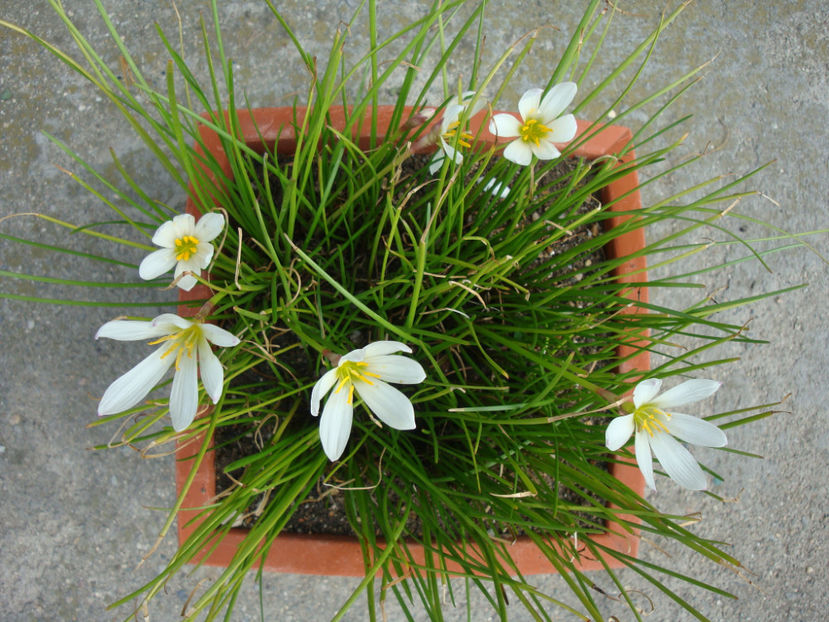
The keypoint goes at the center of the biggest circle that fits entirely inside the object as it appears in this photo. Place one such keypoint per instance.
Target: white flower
(183, 343)
(365, 371)
(184, 244)
(540, 125)
(450, 125)
(655, 430)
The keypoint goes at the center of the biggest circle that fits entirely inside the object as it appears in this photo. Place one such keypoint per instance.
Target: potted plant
(341, 555)
(417, 313)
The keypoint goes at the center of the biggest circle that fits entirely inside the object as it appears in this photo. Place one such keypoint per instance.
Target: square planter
(342, 555)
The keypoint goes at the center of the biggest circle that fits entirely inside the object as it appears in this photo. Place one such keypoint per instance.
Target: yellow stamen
(348, 372)
(342, 384)
(186, 247)
(163, 339)
(649, 419)
(532, 131)
(465, 138)
(183, 342)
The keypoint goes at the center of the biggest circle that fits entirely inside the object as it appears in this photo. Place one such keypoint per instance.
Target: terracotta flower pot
(342, 555)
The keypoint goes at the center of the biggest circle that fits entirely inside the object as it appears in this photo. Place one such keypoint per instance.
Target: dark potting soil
(321, 512)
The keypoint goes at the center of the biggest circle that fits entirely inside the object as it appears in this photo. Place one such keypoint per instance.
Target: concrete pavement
(74, 522)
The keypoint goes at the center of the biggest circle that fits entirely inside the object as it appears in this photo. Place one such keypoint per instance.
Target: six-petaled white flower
(184, 244)
(366, 371)
(540, 125)
(655, 429)
(180, 342)
(452, 135)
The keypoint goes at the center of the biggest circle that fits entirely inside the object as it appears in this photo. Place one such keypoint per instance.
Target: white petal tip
(618, 431)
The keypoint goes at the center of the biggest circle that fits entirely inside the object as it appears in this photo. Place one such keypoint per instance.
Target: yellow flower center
(348, 372)
(532, 131)
(649, 418)
(184, 341)
(186, 247)
(464, 138)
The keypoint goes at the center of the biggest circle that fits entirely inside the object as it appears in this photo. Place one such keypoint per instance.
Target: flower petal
(209, 227)
(529, 103)
(157, 263)
(618, 432)
(450, 152)
(335, 424)
(379, 348)
(219, 336)
(194, 263)
(696, 431)
(201, 258)
(165, 236)
(356, 356)
(437, 162)
(645, 391)
(643, 457)
(184, 395)
(450, 115)
(171, 322)
(686, 393)
(544, 150)
(518, 151)
(185, 224)
(211, 371)
(131, 330)
(188, 281)
(563, 129)
(496, 188)
(322, 386)
(396, 368)
(505, 126)
(678, 462)
(387, 403)
(134, 385)
(556, 100)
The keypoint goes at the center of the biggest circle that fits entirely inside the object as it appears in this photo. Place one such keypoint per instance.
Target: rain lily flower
(540, 125)
(180, 342)
(655, 429)
(366, 371)
(451, 134)
(184, 244)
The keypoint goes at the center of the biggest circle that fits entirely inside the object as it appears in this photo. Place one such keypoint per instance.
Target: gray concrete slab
(75, 522)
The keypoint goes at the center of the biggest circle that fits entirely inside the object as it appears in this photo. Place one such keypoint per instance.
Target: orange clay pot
(342, 555)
